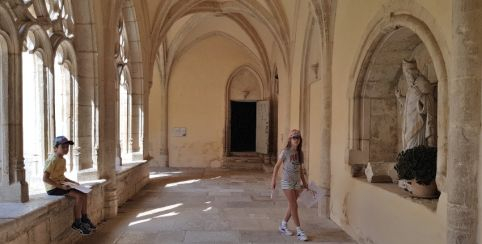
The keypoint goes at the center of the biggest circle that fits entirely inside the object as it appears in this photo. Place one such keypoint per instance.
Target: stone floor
(209, 206)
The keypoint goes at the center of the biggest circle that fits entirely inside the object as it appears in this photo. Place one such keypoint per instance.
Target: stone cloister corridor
(175, 113)
(209, 206)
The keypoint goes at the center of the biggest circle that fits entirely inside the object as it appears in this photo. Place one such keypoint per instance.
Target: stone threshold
(391, 188)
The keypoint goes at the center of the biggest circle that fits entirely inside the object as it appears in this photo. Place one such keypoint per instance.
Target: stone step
(246, 166)
(243, 160)
(244, 154)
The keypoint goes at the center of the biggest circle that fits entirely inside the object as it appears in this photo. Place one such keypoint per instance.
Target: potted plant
(418, 166)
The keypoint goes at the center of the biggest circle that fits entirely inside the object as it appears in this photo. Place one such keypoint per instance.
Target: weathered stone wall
(203, 115)
(368, 212)
(46, 219)
(130, 181)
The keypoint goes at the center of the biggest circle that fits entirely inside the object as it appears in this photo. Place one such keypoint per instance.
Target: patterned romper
(291, 169)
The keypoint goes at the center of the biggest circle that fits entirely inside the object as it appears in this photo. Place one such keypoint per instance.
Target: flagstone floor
(210, 206)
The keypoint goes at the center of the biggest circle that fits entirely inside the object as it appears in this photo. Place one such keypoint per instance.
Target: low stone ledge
(391, 188)
(46, 219)
(132, 165)
(131, 178)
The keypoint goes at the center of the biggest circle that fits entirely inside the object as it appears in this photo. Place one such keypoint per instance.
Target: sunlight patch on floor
(158, 210)
(182, 183)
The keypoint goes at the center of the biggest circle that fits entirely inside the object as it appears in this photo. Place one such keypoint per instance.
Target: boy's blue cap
(59, 140)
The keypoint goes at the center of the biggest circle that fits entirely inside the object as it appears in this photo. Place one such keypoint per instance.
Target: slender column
(464, 123)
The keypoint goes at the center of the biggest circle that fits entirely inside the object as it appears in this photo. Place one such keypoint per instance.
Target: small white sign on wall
(180, 131)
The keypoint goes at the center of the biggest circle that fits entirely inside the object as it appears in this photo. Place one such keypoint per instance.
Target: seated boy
(54, 184)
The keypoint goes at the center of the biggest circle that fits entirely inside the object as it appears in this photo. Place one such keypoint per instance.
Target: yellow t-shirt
(55, 166)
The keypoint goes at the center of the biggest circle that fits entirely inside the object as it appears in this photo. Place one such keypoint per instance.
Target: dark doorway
(243, 126)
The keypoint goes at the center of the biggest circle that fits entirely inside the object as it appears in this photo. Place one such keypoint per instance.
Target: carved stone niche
(376, 133)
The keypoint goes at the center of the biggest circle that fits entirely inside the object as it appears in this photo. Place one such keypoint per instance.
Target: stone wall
(47, 219)
(366, 35)
(131, 180)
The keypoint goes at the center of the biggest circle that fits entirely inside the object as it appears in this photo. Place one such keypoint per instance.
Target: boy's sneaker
(301, 235)
(83, 229)
(284, 230)
(88, 223)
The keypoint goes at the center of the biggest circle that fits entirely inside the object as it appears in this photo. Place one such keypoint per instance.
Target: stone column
(164, 155)
(325, 20)
(13, 186)
(464, 123)
(108, 106)
(87, 83)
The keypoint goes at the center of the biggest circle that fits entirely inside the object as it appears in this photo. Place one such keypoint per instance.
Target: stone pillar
(85, 115)
(136, 114)
(85, 111)
(13, 186)
(164, 156)
(137, 124)
(325, 20)
(464, 123)
(109, 148)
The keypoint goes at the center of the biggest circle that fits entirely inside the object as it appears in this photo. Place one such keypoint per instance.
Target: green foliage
(419, 163)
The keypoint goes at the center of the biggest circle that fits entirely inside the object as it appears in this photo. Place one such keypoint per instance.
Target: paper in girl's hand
(311, 197)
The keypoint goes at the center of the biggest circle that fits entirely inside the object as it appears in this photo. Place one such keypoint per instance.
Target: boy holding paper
(57, 184)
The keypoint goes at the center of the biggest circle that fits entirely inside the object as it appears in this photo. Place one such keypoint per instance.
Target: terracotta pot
(423, 191)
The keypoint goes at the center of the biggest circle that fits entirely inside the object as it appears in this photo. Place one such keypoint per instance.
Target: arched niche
(377, 117)
(245, 85)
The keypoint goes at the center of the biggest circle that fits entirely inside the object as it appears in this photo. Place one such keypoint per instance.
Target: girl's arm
(302, 175)
(302, 171)
(275, 173)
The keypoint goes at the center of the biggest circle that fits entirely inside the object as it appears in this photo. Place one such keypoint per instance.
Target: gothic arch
(185, 48)
(42, 45)
(234, 9)
(236, 73)
(67, 59)
(377, 36)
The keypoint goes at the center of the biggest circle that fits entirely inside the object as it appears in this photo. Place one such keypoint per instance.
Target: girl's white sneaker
(283, 229)
(301, 235)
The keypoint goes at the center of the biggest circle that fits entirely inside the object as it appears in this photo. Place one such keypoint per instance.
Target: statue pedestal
(381, 172)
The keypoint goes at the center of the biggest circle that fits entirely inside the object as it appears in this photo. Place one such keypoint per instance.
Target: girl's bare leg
(292, 195)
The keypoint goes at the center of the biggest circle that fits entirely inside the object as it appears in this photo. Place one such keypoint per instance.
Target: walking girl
(291, 159)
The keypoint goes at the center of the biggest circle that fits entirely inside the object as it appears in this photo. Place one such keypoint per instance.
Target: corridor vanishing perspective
(178, 110)
(210, 206)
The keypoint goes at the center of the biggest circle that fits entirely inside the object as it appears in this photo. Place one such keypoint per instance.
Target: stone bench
(46, 219)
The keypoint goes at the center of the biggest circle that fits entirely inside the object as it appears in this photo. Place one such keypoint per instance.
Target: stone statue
(419, 109)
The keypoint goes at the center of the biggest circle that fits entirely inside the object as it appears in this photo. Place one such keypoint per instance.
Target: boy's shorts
(57, 192)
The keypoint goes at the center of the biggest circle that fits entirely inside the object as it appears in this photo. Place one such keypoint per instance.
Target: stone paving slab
(204, 206)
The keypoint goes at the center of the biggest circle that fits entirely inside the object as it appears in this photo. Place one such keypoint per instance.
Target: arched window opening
(64, 106)
(124, 112)
(124, 95)
(33, 113)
